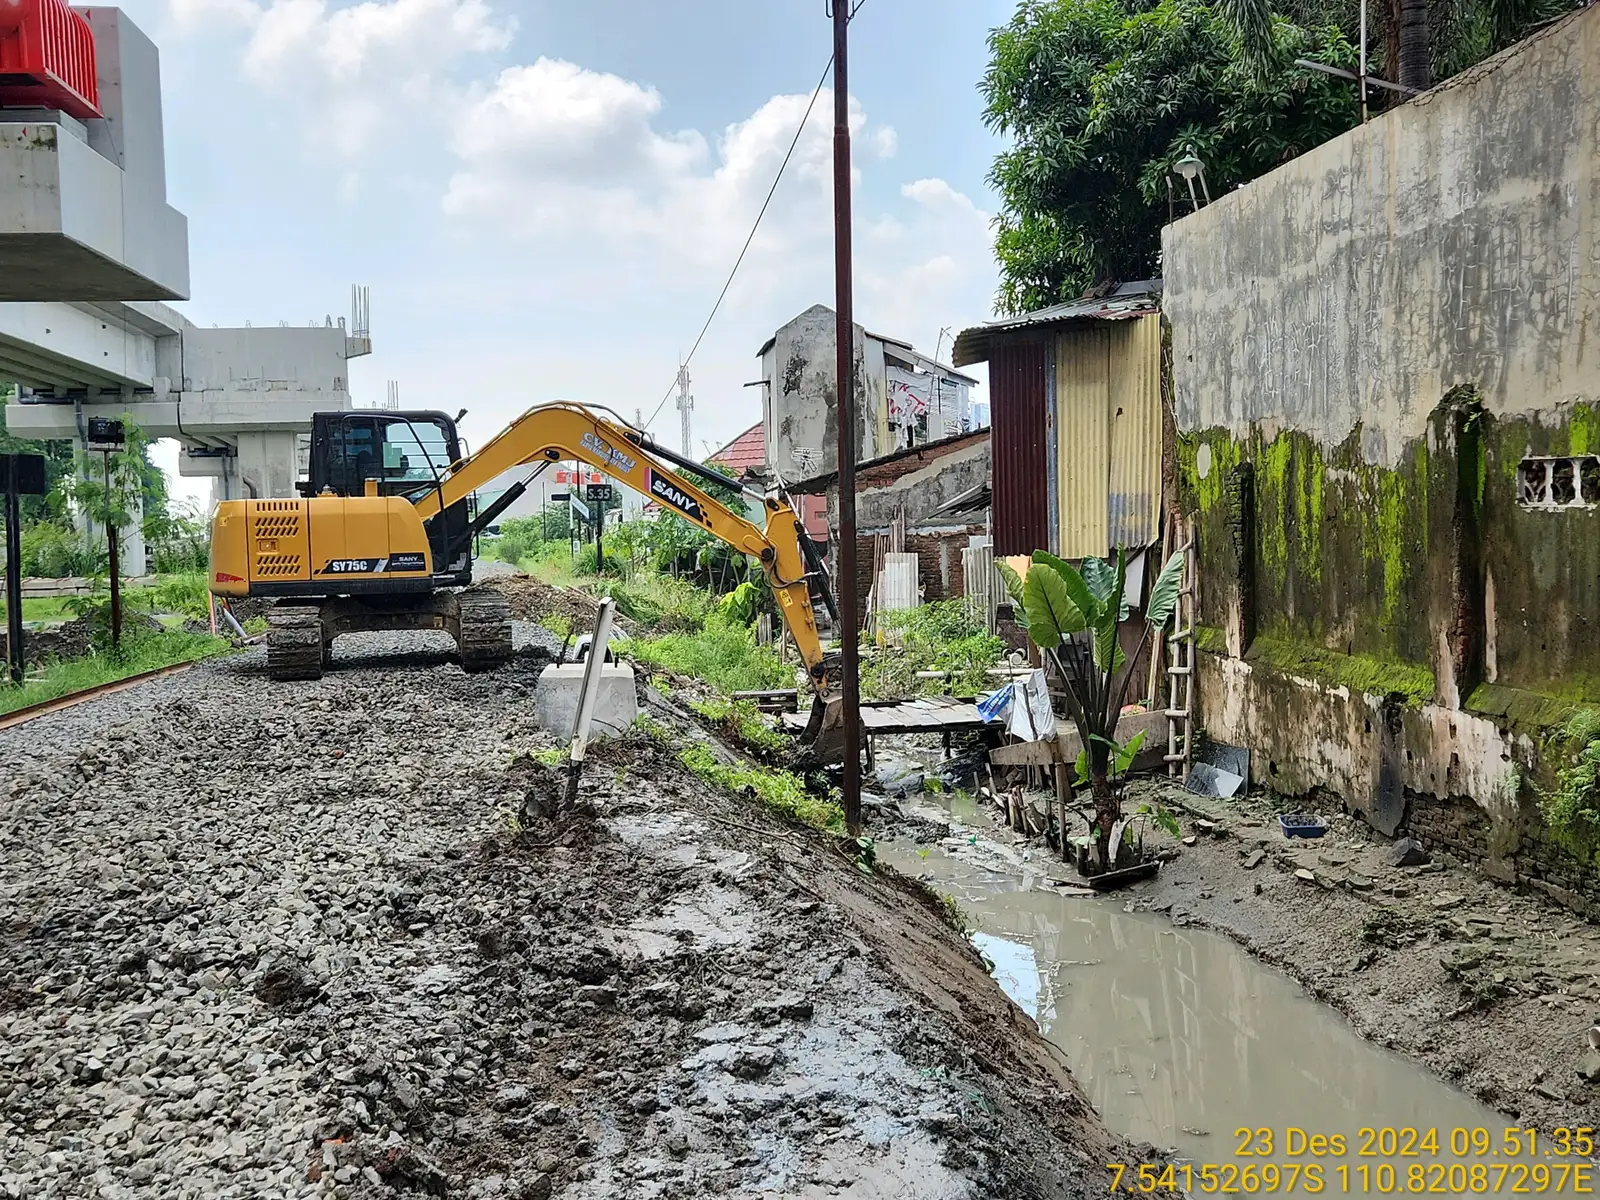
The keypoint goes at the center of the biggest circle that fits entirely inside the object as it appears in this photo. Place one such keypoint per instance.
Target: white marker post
(591, 691)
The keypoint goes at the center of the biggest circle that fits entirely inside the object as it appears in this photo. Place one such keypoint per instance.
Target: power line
(722, 295)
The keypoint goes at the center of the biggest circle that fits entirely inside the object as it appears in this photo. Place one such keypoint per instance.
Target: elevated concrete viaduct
(89, 251)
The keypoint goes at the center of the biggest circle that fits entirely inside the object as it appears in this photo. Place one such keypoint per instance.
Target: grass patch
(744, 722)
(723, 655)
(944, 636)
(782, 791)
(183, 594)
(141, 653)
(41, 608)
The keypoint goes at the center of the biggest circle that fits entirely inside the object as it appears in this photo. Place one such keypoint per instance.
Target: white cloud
(353, 71)
(565, 235)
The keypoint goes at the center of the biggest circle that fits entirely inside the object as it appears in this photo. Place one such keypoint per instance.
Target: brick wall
(1460, 827)
(932, 569)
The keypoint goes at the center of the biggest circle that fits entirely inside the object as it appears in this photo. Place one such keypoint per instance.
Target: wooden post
(1063, 794)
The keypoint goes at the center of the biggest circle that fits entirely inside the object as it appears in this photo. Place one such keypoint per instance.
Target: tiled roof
(746, 452)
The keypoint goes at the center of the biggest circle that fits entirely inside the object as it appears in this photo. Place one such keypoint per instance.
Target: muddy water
(1180, 1038)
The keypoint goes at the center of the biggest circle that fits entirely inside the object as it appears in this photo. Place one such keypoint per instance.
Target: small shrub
(744, 721)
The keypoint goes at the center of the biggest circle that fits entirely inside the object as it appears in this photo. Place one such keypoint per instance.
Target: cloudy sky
(545, 197)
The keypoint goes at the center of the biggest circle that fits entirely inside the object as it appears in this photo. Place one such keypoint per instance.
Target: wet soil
(1492, 989)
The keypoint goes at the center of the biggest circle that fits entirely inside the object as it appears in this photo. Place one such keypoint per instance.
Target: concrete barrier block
(561, 691)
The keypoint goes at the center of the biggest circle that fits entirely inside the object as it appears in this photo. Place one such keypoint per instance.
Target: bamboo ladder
(1180, 668)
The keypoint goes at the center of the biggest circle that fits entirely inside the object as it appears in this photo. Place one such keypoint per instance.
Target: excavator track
(484, 637)
(295, 642)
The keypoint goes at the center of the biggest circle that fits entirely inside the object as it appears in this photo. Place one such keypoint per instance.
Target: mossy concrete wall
(1365, 345)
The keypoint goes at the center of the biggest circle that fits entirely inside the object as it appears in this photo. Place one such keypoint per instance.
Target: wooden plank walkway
(927, 714)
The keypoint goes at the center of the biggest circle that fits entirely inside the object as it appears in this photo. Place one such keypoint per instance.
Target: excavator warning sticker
(665, 490)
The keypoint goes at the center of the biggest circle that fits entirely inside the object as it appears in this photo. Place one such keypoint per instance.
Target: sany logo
(665, 490)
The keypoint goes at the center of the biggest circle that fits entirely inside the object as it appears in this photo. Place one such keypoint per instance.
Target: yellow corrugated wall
(1083, 438)
(1108, 435)
(1135, 497)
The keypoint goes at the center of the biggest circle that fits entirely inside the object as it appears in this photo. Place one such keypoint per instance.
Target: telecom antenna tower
(685, 407)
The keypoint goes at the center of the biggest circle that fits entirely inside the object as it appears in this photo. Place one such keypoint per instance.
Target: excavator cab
(405, 454)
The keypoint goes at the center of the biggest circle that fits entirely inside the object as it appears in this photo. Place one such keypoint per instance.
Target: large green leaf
(1081, 595)
(1108, 655)
(1013, 582)
(1164, 592)
(1051, 613)
(1101, 577)
(1127, 753)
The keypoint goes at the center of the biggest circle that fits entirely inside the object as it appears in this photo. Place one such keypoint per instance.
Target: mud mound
(534, 600)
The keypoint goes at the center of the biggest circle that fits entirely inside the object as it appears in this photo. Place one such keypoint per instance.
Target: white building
(903, 397)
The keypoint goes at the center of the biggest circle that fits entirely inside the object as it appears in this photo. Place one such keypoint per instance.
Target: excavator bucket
(822, 742)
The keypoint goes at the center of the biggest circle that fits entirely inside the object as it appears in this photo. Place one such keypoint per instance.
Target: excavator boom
(552, 433)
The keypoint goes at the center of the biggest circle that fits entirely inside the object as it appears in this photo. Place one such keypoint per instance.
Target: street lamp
(1190, 166)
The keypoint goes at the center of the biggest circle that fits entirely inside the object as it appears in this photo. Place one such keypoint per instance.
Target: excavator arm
(554, 432)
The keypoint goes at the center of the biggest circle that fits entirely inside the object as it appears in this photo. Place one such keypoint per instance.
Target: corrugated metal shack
(1075, 409)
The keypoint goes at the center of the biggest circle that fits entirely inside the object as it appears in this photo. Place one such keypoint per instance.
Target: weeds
(188, 594)
(555, 756)
(139, 652)
(954, 915)
(944, 637)
(722, 655)
(782, 791)
(744, 722)
(559, 624)
(652, 729)
(1572, 809)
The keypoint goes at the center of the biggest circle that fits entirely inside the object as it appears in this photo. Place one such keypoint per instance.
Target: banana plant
(1073, 615)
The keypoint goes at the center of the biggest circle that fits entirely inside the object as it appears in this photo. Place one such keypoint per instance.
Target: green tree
(1101, 97)
(57, 465)
(109, 489)
(1412, 42)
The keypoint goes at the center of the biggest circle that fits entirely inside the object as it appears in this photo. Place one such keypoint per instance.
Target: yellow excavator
(381, 536)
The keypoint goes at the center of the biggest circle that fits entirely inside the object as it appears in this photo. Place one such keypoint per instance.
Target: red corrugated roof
(746, 452)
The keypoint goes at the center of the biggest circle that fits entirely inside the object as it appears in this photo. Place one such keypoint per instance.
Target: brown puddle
(1181, 1038)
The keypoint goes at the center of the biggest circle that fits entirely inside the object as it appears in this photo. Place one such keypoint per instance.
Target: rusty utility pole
(846, 413)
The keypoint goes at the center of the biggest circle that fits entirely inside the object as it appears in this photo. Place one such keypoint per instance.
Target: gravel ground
(262, 940)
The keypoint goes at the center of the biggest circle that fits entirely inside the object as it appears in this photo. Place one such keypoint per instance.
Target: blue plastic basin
(1301, 826)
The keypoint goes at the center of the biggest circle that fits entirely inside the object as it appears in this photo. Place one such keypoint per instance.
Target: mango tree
(1073, 616)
